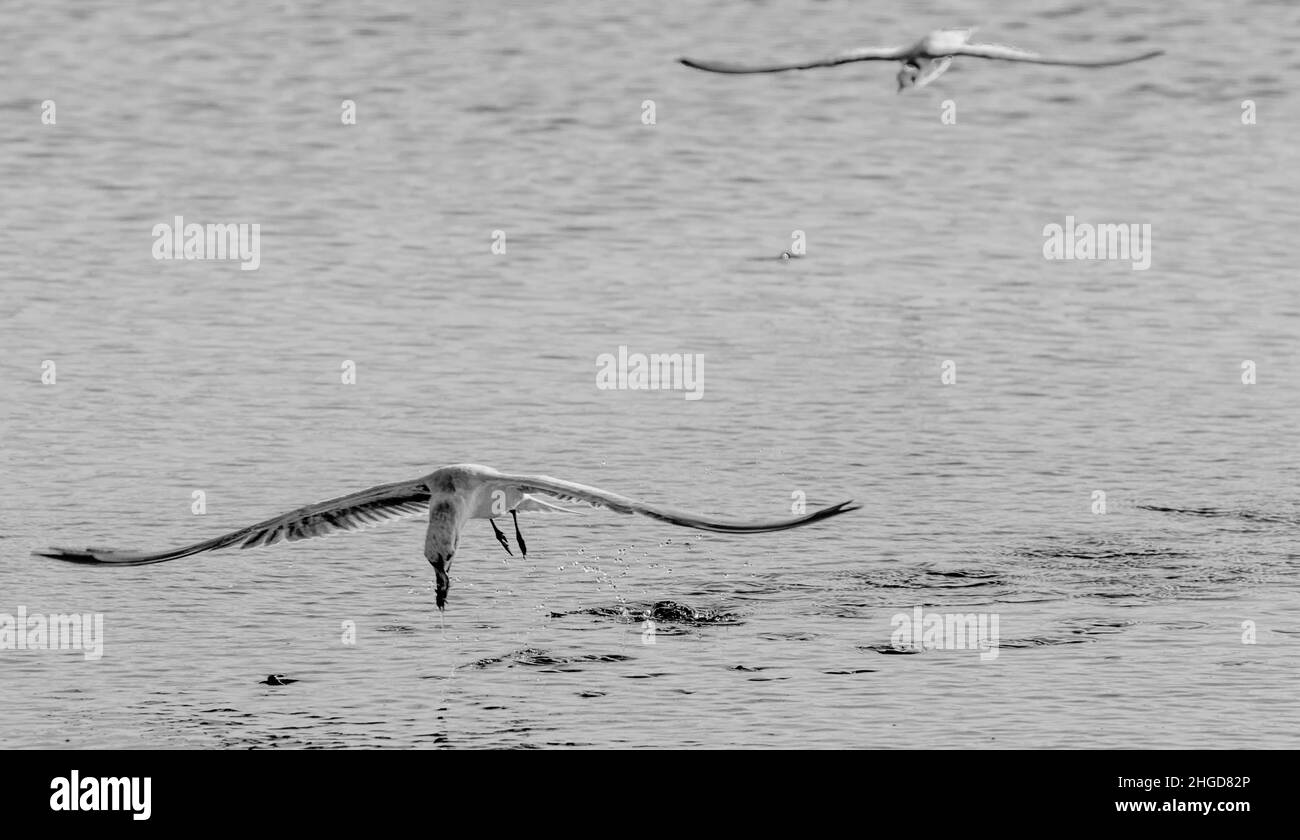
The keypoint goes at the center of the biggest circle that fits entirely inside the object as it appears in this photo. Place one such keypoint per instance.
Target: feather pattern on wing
(569, 491)
(375, 506)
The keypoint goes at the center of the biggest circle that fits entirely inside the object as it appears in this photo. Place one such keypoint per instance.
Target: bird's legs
(519, 538)
(501, 538)
(931, 69)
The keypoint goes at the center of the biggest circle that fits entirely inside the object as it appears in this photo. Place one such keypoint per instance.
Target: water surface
(822, 373)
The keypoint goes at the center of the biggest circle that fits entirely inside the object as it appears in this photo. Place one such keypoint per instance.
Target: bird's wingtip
(68, 555)
(836, 509)
(56, 553)
(97, 556)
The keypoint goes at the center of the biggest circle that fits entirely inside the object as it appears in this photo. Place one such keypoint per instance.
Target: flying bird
(450, 496)
(923, 62)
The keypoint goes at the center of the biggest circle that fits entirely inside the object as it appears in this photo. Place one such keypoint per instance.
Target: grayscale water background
(822, 374)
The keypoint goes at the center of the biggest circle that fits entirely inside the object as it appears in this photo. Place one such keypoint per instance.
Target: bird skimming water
(451, 496)
(923, 62)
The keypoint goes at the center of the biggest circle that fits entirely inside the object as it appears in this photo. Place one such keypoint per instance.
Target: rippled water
(823, 373)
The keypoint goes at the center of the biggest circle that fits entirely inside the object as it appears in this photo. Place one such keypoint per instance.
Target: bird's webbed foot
(519, 538)
(501, 538)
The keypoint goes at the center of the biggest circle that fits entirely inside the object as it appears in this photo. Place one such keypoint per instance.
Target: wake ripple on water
(537, 658)
(1071, 631)
(661, 612)
(1224, 513)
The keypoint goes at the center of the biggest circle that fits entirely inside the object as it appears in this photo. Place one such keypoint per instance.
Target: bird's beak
(444, 583)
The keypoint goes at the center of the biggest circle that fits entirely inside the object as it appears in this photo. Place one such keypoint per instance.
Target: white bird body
(923, 62)
(451, 496)
(941, 42)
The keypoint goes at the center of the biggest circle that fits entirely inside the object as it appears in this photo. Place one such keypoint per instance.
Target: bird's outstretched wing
(864, 54)
(346, 513)
(1000, 52)
(572, 492)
